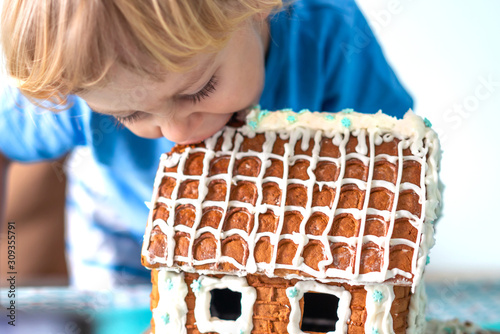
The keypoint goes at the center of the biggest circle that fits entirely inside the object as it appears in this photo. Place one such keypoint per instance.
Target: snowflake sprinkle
(428, 260)
(165, 318)
(377, 296)
(170, 284)
(292, 292)
(375, 331)
(427, 123)
(346, 122)
(330, 117)
(291, 119)
(196, 286)
(262, 114)
(252, 124)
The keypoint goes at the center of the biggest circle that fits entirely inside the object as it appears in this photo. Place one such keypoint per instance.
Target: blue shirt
(322, 56)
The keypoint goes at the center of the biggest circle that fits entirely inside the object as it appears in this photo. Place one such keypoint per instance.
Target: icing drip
(416, 314)
(170, 313)
(379, 300)
(367, 188)
(411, 126)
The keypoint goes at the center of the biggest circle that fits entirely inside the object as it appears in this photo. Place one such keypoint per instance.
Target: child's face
(188, 107)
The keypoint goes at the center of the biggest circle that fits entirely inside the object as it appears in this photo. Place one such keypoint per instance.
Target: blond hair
(53, 48)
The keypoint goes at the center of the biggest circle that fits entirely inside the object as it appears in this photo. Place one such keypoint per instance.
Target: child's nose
(178, 130)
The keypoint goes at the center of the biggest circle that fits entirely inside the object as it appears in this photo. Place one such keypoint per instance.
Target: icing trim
(301, 287)
(206, 323)
(416, 314)
(410, 125)
(170, 313)
(379, 298)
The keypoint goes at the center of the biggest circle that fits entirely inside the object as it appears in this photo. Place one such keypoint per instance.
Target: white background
(444, 52)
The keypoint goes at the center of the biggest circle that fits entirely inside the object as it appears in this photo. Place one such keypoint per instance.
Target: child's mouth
(238, 118)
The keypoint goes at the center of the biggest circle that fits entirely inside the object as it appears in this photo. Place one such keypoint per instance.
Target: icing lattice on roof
(352, 203)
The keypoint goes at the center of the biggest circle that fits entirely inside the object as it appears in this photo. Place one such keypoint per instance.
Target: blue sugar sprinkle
(304, 111)
(428, 260)
(170, 284)
(291, 119)
(286, 109)
(292, 292)
(346, 122)
(377, 296)
(196, 286)
(262, 114)
(330, 117)
(166, 318)
(427, 123)
(375, 331)
(252, 124)
(348, 111)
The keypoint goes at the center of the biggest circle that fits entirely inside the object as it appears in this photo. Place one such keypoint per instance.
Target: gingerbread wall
(271, 309)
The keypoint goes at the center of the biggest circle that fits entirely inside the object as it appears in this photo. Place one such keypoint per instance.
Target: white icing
(171, 305)
(206, 323)
(410, 126)
(416, 314)
(365, 205)
(378, 312)
(343, 310)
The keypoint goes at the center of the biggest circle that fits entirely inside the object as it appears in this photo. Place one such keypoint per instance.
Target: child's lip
(193, 141)
(237, 118)
(236, 115)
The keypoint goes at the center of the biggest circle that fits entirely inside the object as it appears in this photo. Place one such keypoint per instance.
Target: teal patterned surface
(476, 301)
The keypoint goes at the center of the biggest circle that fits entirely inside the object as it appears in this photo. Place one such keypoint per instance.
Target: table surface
(126, 310)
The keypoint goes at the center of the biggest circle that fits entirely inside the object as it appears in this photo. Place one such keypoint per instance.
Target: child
(168, 71)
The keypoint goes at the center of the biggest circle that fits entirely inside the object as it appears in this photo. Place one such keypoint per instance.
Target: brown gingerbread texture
(339, 204)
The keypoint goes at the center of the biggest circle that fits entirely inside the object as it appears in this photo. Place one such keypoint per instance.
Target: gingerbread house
(302, 222)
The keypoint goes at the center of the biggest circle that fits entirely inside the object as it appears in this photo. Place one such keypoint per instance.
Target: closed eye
(204, 92)
(130, 118)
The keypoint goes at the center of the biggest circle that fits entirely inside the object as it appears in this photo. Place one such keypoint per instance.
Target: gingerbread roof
(343, 196)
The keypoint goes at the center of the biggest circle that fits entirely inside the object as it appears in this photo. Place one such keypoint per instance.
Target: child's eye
(204, 92)
(130, 118)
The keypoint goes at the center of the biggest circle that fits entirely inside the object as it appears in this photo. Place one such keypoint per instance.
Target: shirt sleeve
(30, 133)
(357, 74)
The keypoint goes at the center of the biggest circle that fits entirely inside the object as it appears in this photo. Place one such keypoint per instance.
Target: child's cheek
(236, 96)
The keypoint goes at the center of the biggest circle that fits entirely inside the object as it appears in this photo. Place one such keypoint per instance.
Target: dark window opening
(320, 312)
(225, 304)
